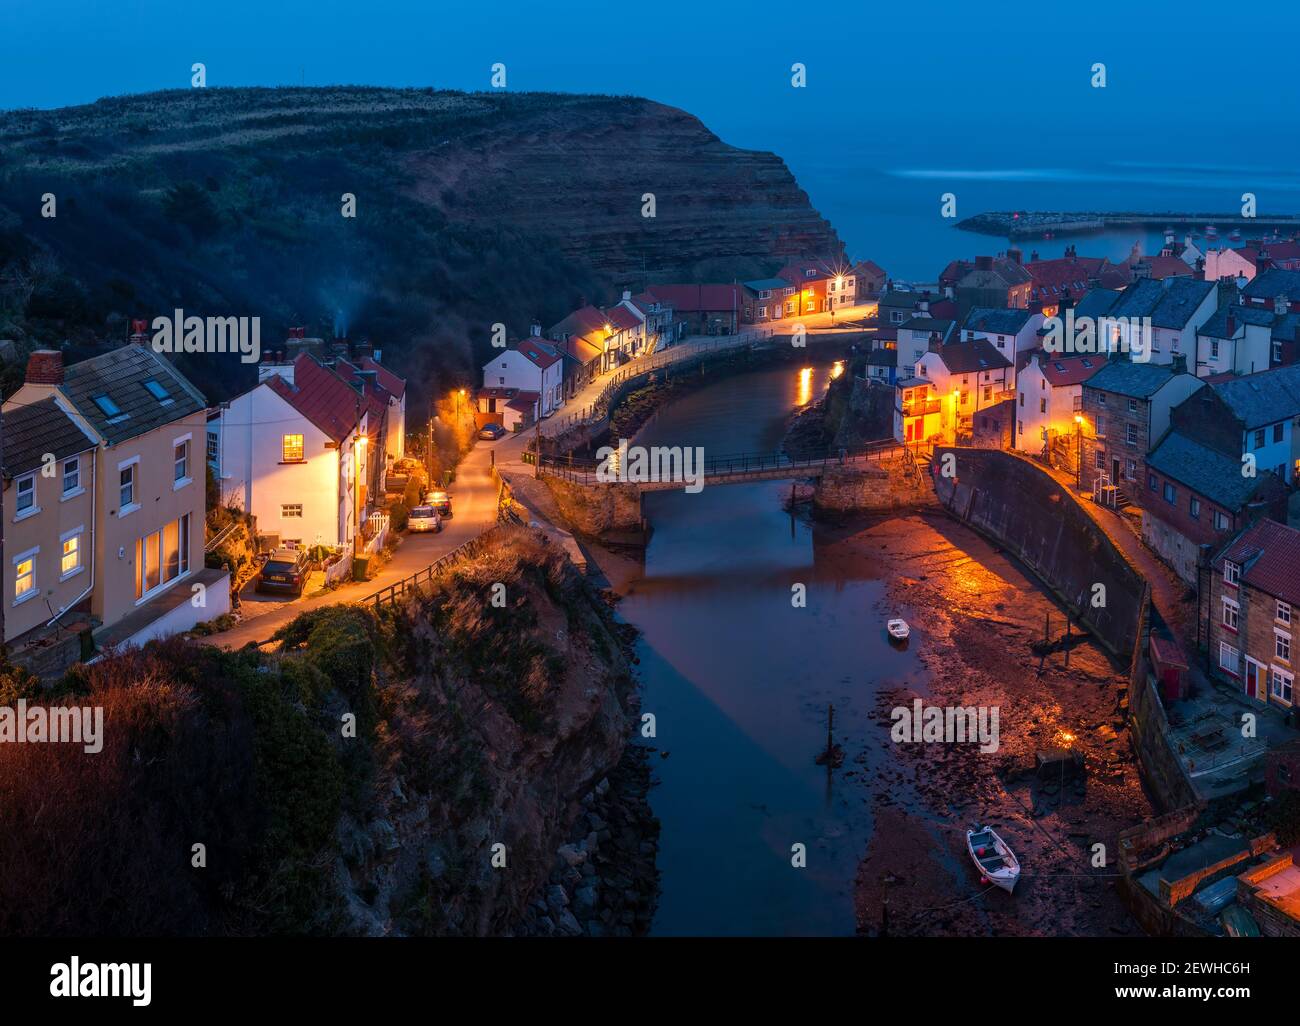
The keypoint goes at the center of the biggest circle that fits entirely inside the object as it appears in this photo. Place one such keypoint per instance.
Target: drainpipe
(94, 506)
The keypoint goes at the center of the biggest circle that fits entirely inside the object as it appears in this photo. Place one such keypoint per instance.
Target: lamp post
(1078, 455)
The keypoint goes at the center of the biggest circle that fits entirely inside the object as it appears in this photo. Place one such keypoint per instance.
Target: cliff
(470, 209)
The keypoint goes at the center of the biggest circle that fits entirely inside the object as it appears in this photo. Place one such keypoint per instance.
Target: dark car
(285, 572)
(491, 432)
(441, 503)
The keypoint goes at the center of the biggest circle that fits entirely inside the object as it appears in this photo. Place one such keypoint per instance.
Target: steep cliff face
(470, 209)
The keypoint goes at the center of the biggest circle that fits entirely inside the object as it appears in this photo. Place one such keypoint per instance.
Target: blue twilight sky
(992, 100)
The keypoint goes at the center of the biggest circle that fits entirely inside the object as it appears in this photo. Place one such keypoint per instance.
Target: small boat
(898, 629)
(992, 857)
(1236, 235)
(1211, 232)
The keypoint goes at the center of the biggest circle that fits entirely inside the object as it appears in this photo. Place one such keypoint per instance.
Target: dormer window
(1231, 573)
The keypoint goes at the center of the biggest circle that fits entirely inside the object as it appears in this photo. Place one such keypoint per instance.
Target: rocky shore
(604, 882)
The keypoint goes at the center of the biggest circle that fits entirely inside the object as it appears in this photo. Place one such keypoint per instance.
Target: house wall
(58, 518)
(256, 478)
(1255, 637)
(159, 501)
(512, 369)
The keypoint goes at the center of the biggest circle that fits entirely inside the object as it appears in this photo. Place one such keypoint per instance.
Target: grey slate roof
(1181, 299)
(1263, 398)
(940, 324)
(121, 375)
(972, 357)
(1205, 471)
(1136, 380)
(1286, 326)
(997, 321)
(1095, 303)
(1274, 282)
(766, 283)
(34, 430)
(1217, 325)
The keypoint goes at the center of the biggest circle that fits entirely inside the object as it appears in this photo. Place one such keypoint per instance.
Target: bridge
(737, 468)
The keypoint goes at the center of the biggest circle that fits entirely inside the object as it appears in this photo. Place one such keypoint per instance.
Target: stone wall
(597, 508)
(1273, 920)
(1162, 770)
(874, 487)
(1038, 520)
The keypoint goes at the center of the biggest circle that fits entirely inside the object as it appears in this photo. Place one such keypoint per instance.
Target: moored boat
(898, 629)
(993, 858)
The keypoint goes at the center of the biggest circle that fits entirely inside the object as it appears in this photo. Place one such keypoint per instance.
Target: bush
(398, 515)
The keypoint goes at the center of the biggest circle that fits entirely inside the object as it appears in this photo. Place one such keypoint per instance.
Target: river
(739, 678)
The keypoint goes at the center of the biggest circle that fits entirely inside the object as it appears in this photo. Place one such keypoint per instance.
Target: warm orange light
(1078, 419)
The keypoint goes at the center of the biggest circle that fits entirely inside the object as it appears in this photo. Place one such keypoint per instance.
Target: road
(474, 504)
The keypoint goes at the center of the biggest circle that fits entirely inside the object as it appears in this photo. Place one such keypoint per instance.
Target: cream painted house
(149, 494)
(289, 452)
(49, 531)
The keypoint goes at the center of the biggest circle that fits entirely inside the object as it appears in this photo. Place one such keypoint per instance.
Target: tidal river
(739, 679)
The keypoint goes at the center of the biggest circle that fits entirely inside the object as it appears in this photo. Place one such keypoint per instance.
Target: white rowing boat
(994, 859)
(898, 629)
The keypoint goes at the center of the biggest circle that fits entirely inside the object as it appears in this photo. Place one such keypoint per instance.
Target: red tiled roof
(583, 349)
(524, 401)
(1071, 370)
(1269, 554)
(321, 396)
(867, 267)
(582, 321)
(621, 318)
(699, 298)
(538, 352)
(390, 381)
(1169, 267)
(1052, 277)
(375, 394)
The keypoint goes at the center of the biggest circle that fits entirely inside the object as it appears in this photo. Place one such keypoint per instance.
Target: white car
(423, 518)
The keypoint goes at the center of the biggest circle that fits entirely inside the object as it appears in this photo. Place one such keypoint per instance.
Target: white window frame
(34, 508)
(78, 533)
(79, 488)
(186, 440)
(1231, 573)
(1235, 668)
(1277, 693)
(288, 506)
(33, 590)
(1282, 638)
(1282, 614)
(134, 504)
(1233, 623)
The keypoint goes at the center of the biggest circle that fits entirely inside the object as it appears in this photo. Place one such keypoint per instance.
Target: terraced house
(147, 422)
(1253, 611)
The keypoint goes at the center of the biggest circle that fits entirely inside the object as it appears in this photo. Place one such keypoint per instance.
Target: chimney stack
(936, 343)
(1232, 326)
(1014, 255)
(983, 263)
(139, 332)
(45, 367)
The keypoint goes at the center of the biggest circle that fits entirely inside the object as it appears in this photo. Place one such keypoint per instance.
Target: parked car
(441, 503)
(285, 572)
(491, 432)
(423, 518)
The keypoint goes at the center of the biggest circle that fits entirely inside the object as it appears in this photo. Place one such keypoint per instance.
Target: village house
(812, 280)
(868, 281)
(1054, 280)
(882, 365)
(1012, 331)
(1235, 340)
(994, 282)
(1276, 288)
(1177, 307)
(514, 409)
(295, 451)
(766, 300)
(1125, 410)
(1049, 396)
(147, 490)
(49, 489)
(968, 376)
(917, 335)
(581, 337)
(1254, 589)
(1253, 415)
(1252, 259)
(531, 365)
(1197, 496)
(1163, 265)
(703, 309)
(920, 412)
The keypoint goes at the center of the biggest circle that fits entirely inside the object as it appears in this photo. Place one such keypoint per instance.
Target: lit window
(24, 578)
(292, 449)
(71, 561)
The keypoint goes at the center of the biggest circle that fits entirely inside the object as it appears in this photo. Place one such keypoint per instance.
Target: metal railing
(221, 536)
(423, 576)
(736, 465)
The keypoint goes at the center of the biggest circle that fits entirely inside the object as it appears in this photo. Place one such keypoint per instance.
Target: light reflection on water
(739, 681)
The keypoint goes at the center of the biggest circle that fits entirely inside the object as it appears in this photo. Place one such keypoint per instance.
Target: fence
(221, 536)
(410, 584)
(585, 471)
(342, 570)
(376, 531)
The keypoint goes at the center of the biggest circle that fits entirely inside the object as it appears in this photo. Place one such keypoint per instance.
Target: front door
(1114, 471)
(1254, 679)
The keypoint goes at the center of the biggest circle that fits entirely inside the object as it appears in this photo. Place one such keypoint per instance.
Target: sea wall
(1038, 520)
(891, 484)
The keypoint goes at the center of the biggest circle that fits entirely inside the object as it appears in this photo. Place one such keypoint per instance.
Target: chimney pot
(45, 367)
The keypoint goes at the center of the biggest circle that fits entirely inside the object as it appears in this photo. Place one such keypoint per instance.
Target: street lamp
(1078, 456)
